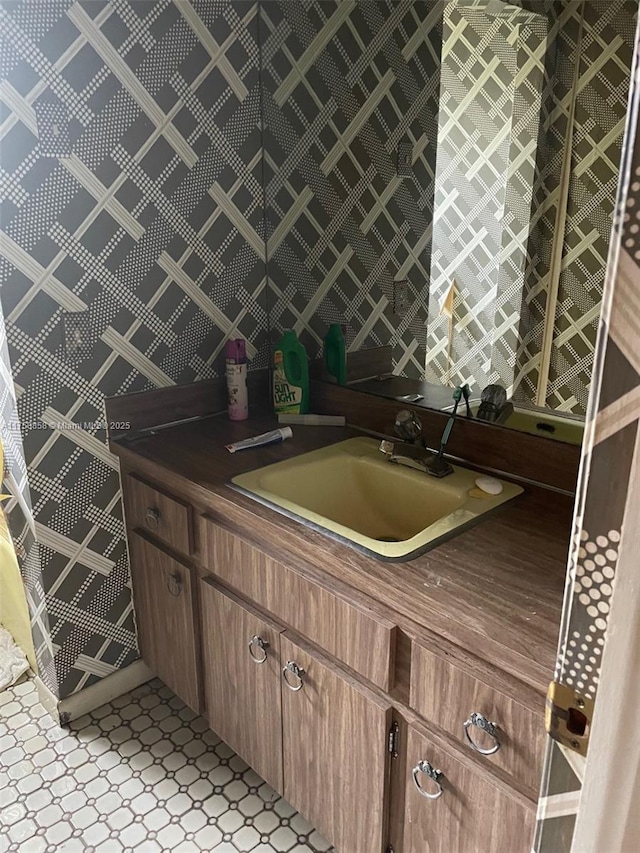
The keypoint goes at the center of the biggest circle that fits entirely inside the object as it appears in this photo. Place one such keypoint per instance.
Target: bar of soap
(489, 485)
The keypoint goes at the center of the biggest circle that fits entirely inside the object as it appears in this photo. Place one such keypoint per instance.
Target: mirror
(440, 179)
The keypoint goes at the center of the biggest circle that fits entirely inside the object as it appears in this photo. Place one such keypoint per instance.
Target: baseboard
(47, 698)
(103, 691)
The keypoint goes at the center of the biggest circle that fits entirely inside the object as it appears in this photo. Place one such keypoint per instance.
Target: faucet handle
(408, 425)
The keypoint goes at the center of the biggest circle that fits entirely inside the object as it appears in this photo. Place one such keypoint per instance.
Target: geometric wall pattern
(19, 512)
(133, 241)
(601, 108)
(345, 84)
(601, 514)
(598, 35)
(132, 248)
(491, 83)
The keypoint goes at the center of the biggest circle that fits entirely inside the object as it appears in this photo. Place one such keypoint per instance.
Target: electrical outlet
(77, 339)
(52, 121)
(401, 297)
(404, 164)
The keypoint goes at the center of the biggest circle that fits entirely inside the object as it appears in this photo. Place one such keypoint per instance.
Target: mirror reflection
(441, 180)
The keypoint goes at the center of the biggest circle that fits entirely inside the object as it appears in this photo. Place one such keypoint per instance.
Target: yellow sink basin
(351, 491)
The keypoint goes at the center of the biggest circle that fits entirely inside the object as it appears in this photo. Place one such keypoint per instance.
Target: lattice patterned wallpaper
(344, 84)
(131, 172)
(606, 48)
(491, 95)
(601, 109)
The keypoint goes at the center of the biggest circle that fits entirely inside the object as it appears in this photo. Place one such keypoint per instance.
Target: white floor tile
(142, 774)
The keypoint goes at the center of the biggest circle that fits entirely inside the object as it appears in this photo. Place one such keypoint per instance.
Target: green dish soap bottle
(335, 353)
(290, 376)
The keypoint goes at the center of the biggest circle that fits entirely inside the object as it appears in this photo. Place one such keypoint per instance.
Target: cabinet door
(241, 654)
(471, 815)
(335, 736)
(163, 597)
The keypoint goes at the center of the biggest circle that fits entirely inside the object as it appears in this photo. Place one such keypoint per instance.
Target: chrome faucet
(409, 427)
(494, 406)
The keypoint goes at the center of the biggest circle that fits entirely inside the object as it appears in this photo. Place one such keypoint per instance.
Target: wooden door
(471, 816)
(335, 736)
(241, 665)
(163, 597)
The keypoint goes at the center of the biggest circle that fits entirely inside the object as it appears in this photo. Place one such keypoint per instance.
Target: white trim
(103, 691)
(575, 761)
(608, 817)
(47, 699)
(87, 700)
(558, 805)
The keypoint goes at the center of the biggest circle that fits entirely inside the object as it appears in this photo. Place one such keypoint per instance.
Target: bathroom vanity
(399, 706)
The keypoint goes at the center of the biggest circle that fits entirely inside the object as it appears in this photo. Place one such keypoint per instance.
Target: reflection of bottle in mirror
(335, 353)
(235, 352)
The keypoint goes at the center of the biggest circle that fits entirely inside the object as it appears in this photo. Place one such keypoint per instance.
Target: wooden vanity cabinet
(241, 673)
(314, 734)
(303, 679)
(463, 811)
(168, 636)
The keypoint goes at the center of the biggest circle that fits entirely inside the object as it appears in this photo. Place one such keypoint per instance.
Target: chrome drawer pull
(261, 644)
(481, 722)
(152, 517)
(433, 774)
(295, 670)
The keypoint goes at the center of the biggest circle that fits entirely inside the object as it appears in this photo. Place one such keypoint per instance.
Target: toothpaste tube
(273, 437)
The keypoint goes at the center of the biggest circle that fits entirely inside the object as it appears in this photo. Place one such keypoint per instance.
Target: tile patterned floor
(142, 774)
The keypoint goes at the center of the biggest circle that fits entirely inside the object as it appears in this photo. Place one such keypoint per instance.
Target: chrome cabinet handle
(433, 774)
(481, 722)
(261, 644)
(152, 517)
(174, 583)
(296, 672)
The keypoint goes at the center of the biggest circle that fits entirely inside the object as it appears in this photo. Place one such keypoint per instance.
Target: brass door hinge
(393, 740)
(568, 716)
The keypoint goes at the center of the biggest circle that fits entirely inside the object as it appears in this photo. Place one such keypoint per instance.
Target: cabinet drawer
(471, 815)
(163, 516)
(448, 696)
(358, 638)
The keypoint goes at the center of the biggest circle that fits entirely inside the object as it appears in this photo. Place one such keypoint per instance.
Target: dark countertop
(494, 590)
